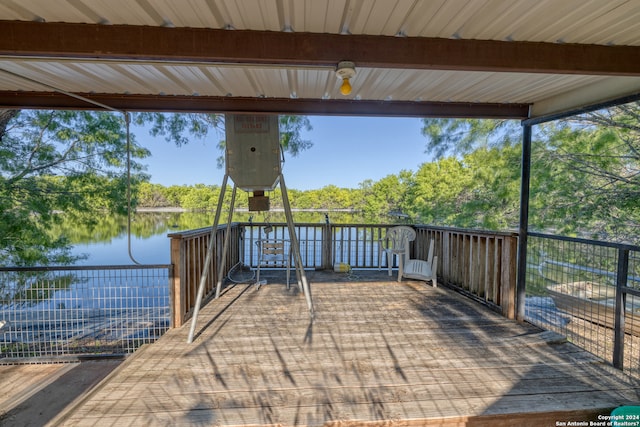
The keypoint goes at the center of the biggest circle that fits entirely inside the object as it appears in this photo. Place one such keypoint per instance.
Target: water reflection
(105, 242)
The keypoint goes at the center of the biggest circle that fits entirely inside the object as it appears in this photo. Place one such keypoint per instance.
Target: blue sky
(345, 152)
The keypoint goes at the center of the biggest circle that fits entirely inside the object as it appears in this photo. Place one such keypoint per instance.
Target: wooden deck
(379, 353)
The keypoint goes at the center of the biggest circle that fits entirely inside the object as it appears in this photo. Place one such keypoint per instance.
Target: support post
(327, 256)
(621, 299)
(207, 262)
(225, 246)
(524, 222)
(295, 247)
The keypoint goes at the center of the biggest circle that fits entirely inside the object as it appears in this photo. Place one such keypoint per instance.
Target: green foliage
(200, 197)
(328, 197)
(440, 189)
(178, 128)
(388, 197)
(153, 195)
(494, 199)
(462, 136)
(291, 128)
(58, 161)
(586, 175)
(585, 178)
(479, 186)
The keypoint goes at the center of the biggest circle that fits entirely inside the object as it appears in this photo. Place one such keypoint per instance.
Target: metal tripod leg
(294, 246)
(225, 246)
(207, 262)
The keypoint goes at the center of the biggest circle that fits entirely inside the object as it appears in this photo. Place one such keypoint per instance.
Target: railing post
(445, 255)
(177, 292)
(509, 275)
(621, 299)
(326, 256)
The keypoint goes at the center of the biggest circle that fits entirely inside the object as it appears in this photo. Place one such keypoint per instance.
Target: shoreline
(162, 209)
(178, 209)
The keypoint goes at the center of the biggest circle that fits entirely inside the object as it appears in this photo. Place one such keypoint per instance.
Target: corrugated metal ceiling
(610, 22)
(568, 21)
(227, 80)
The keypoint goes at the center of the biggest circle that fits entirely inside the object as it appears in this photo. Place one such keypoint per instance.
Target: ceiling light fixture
(345, 71)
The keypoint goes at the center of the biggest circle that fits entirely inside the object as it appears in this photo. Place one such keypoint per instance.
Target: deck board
(378, 351)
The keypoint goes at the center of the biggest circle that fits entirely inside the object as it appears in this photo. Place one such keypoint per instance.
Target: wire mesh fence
(53, 312)
(575, 286)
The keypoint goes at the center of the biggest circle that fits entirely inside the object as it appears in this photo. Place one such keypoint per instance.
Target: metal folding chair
(274, 253)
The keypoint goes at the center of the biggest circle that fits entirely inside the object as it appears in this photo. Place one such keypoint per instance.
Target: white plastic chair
(423, 270)
(396, 242)
(274, 253)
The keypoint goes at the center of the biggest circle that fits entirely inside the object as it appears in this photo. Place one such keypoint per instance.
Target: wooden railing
(312, 238)
(188, 254)
(322, 245)
(481, 264)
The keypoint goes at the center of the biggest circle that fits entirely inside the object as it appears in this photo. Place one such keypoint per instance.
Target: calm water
(145, 250)
(149, 241)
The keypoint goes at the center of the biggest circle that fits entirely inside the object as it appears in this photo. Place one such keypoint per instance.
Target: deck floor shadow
(379, 352)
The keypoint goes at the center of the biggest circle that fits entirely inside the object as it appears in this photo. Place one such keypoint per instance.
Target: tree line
(584, 180)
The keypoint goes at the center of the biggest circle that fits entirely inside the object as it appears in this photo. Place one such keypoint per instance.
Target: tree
(479, 184)
(387, 197)
(492, 199)
(151, 195)
(461, 136)
(200, 197)
(74, 162)
(586, 175)
(58, 161)
(439, 191)
(585, 171)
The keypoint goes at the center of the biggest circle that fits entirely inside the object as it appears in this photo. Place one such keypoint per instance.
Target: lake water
(145, 250)
(103, 310)
(149, 241)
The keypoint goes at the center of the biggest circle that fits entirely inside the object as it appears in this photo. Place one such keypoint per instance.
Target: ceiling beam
(38, 39)
(210, 104)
